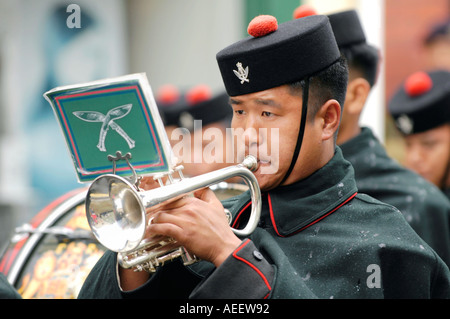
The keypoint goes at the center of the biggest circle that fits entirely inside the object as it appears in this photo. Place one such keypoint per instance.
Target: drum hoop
(35, 238)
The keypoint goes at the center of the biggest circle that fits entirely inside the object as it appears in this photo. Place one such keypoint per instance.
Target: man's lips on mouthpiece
(264, 161)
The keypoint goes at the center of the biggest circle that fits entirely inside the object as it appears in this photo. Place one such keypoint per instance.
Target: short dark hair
(330, 83)
(364, 58)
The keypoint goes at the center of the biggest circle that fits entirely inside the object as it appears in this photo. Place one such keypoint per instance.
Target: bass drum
(52, 255)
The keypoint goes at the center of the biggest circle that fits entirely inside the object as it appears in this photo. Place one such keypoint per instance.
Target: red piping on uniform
(272, 217)
(235, 224)
(251, 265)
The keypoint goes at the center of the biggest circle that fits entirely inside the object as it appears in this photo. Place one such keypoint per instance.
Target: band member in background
(317, 237)
(421, 110)
(196, 123)
(378, 175)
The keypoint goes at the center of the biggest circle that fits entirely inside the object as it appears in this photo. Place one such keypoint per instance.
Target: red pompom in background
(198, 94)
(262, 25)
(418, 83)
(168, 94)
(304, 11)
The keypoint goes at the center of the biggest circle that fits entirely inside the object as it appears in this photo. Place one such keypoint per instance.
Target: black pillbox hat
(295, 50)
(422, 102)
(347, 28)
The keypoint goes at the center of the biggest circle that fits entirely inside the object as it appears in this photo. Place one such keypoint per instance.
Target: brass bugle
(117, 214)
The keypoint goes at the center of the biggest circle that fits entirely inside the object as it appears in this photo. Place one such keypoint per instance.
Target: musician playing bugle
(317, 237)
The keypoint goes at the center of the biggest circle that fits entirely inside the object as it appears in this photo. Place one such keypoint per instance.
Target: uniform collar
(365, 153)
(295, 207)
(365, 139)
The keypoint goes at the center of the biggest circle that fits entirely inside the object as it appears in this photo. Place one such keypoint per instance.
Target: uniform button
(258, 255)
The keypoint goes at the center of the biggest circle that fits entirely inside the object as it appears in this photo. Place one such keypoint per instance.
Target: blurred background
(173, 41)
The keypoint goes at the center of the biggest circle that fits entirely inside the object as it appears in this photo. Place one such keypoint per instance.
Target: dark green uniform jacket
(6, 290)
(424, 206)
(447, 192)
(317, 238)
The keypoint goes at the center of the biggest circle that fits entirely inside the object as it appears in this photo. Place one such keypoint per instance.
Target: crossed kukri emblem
(107, 122)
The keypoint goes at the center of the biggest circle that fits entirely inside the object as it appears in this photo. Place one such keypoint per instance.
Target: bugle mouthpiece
(250, 162)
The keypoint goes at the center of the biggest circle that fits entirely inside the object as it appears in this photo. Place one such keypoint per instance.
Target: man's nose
(414, 156)
(251, 134)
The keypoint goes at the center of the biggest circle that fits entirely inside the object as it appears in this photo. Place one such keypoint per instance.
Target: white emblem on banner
(107, 122)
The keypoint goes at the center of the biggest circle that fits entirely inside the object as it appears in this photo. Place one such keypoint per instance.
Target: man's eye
(265, 113)
(240, 112)
(429, 144)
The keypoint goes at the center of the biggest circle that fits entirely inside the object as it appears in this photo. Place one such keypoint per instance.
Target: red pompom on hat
(198, 94)
(168, 94)
(418, 83)
(262, 25)
(304, 11)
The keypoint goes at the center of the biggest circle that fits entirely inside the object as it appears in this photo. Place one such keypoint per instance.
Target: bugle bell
(116, 212)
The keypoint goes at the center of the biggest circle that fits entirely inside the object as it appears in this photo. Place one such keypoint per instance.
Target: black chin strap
(301, 131)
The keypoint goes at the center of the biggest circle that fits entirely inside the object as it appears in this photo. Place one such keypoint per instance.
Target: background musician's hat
(422, 102)
(351, 40)
(352, 43)
(347, 28)
(198, 103)
(275, 54)
(346, 25)
(168, 99)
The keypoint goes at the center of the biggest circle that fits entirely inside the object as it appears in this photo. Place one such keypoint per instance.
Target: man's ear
(330, 116)
(357, 93)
